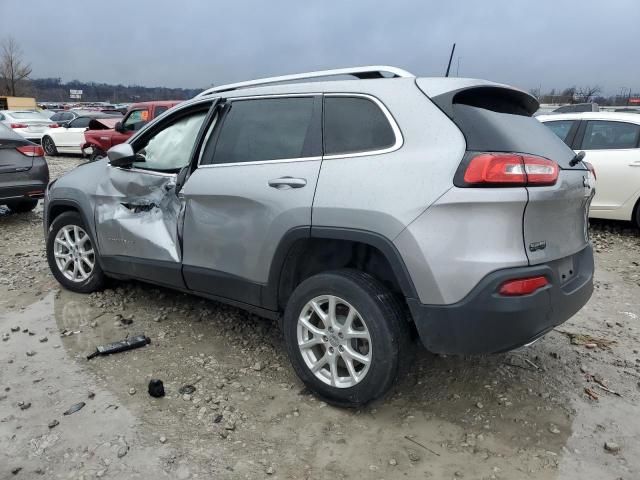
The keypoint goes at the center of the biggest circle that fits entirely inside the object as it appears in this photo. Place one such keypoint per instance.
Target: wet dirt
(524, 414)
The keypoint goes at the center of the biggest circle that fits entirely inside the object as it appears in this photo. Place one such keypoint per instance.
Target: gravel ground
(567, 407)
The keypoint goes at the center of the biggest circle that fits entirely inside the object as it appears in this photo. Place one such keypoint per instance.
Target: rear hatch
(496, 118)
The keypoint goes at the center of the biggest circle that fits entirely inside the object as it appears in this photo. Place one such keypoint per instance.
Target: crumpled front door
(137, 215)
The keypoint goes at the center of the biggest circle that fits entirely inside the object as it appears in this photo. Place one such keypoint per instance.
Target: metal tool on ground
(121, 346)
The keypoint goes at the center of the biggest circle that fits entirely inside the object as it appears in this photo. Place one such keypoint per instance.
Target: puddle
(84, 443)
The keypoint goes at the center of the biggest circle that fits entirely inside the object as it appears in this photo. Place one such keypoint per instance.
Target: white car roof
(611, 116)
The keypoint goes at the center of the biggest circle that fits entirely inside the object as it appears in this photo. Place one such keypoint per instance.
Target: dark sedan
(24, 173)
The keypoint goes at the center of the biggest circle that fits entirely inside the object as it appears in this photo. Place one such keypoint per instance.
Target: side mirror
(123, 156)
(118, 127)
(63, 124)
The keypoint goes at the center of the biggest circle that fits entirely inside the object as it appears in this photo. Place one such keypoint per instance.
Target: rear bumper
(486, 322)
(27, 185)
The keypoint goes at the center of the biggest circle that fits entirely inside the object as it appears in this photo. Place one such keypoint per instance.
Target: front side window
(265, 129)
(605, 135)
(136, 120)
(561, 128)
(353, 125)
(170, 149)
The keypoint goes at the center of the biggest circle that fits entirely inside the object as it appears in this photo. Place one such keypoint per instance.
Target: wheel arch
(57, 207)
(305, 251)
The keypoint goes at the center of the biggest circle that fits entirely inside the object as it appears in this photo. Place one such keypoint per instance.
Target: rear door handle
(287, 182)
(635, 163)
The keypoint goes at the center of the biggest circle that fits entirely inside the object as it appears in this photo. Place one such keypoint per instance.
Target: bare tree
(13, 70)
(586, 94)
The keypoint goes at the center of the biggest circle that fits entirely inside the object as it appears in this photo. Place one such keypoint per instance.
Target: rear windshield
(28, 116)
(489, 131)
(498, 119)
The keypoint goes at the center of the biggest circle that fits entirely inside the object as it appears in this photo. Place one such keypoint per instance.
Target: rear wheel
(346, 336)
(636, 214)
(23, 206)
(72, 256)
(49, 146)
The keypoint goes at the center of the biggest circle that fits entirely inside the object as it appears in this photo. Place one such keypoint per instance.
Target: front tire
(346, 336)
(49, 146)
(72, 255)
(97, 154)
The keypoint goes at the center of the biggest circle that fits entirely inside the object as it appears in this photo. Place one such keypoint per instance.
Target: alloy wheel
(74, 253)
(48, 145)
(334, 341)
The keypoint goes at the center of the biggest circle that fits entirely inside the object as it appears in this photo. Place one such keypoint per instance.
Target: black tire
(97, 154)
(96, 279)
(636, 214)
(49, 146)
(385, 319)
(23, 206)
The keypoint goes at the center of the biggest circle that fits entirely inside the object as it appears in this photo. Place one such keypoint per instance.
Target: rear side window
(604, 135)
(355, 124)
(561, 128)
(266, 129)
(160, 110)
(81, 122)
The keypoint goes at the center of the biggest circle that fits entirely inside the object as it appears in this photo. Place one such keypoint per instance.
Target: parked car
(68, 137)
(578, 107)
(26, 123)
(24, 173)
(611, 142)
(96, 127)
(358, 213)
(138, 115)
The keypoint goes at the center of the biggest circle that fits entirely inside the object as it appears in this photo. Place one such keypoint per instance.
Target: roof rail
(358, 72)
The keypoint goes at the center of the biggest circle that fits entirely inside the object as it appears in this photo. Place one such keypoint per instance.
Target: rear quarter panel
(384, 193)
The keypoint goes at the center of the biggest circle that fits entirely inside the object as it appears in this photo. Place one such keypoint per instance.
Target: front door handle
(287, 182)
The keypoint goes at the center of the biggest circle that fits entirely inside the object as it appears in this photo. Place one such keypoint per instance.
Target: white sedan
(611, 142)
(69, 137)
(26, 123)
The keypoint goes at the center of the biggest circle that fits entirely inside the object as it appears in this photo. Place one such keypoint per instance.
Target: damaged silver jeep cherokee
(362, 210)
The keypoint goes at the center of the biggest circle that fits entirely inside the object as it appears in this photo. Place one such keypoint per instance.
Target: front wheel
(97, 154)
(346, 336)
(49, 146)
(72, 256)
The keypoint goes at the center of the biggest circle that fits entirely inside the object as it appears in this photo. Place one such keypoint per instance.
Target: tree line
(586, 94)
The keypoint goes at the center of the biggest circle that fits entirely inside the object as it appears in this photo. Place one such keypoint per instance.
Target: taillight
(510, 170)
(19, 125)
(54, 125)
(31, 150)
(523, 286)
(591, 169)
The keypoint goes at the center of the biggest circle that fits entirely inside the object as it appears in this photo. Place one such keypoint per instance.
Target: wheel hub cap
(74, 253)
(334, 341)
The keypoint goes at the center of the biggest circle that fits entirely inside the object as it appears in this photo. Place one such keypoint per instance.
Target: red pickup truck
(137, 115)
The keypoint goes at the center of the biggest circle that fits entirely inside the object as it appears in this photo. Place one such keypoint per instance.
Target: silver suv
(362, 211)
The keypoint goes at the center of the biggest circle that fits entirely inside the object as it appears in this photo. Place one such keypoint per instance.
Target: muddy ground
(525, 414)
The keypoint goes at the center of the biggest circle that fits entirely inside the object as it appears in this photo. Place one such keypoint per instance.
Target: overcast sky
(196, 43)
